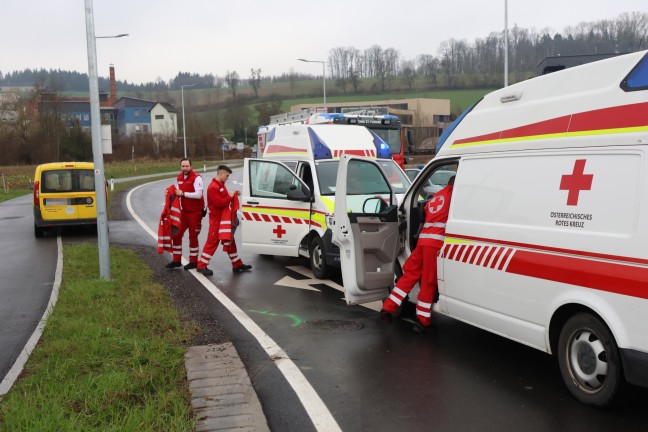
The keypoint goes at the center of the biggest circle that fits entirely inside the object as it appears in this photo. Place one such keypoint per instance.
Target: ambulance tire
(317, 258)
(587, 346)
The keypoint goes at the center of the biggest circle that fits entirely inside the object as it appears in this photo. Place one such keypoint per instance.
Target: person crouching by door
(421, 266)
(222, 207)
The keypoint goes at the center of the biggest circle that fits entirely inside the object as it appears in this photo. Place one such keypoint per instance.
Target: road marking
(306, 284)
(19, 364)
(314, 406)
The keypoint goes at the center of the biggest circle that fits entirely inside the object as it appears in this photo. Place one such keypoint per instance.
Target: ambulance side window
(271, 180)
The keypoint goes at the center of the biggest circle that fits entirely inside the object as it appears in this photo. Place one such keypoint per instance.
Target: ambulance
(288, 195)
(547, 237)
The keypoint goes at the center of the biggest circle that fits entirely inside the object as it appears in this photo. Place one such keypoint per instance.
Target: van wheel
(589, 361)
(317, 259)
(38, 232)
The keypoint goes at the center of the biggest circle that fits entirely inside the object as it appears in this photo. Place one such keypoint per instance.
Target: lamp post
(506, 37)
(323, 74)
(184, 126)
(97, 154)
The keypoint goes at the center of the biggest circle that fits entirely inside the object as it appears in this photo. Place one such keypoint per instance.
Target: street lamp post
(97, 152)
(184, 126)
(323, 74)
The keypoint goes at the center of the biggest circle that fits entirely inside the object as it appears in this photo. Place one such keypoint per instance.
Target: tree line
(481, 60)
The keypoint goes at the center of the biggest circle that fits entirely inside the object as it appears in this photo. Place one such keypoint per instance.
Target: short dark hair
(185, 159)
(224, 168)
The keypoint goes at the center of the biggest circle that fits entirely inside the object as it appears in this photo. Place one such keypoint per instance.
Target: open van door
(365, 228)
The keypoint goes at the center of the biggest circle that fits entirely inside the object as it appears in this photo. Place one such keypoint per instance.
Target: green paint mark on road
(295, 319)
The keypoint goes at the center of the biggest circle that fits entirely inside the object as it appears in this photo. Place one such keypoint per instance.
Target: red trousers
(212, 244)
(193, 223)
(421, 266)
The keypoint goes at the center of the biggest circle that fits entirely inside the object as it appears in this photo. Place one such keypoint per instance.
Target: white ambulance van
(288, 195)
(547, 237)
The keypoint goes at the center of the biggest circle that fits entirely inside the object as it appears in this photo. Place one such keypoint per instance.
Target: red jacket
(436, 216)
(169, 221)
(190, 205)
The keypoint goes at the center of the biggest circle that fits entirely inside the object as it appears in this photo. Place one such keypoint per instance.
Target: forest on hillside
(482, 58)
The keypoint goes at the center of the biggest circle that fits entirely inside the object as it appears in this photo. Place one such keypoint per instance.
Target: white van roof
(557, 110)
(308, 142)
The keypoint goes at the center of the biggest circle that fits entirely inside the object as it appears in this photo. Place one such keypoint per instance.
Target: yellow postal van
(64, 195)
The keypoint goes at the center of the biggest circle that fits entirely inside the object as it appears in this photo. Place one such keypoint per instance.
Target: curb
(222, 396)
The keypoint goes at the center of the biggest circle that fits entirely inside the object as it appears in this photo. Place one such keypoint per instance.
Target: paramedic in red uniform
(190, 190)
(222, 212)
(421, 266)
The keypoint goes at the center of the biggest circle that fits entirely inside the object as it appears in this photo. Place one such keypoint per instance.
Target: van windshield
(327, 175)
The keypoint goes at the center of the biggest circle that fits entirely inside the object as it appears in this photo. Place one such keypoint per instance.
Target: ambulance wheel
(38, 232)
(317, 259)
(589, 361)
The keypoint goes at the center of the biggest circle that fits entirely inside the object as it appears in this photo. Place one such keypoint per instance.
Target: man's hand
(178, 192)
(236, 192)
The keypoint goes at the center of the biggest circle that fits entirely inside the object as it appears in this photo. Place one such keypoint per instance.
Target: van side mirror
(295, 194)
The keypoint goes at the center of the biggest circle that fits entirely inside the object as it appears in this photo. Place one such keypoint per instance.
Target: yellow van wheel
(38, 232)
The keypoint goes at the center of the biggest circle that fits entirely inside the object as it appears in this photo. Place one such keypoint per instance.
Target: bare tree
(292, 80)
(409, 73)
(232, 80)
(255, 80)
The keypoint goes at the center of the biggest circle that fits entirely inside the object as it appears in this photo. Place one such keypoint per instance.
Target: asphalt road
(370, 376)
(375, 376)
(27, 266)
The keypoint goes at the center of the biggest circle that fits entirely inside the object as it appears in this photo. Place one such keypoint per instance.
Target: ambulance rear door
(365, 228)
(275, 208)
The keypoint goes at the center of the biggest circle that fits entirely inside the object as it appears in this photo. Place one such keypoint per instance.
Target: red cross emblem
(437, 203)
(576, 182)
(279, 231)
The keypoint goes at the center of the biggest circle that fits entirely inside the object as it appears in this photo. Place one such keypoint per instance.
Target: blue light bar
(382, 148)
(320, 150)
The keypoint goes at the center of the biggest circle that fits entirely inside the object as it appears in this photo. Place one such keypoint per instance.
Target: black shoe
(241, 269)
(420, 328)
(205, 271)
(190, 266)
(385, 315)
(173, 264)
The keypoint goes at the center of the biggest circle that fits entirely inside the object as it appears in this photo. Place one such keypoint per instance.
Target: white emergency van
(288, 195)
(546, 241)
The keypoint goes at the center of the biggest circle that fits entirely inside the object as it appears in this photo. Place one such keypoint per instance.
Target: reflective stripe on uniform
(432, 236)
(434, 225)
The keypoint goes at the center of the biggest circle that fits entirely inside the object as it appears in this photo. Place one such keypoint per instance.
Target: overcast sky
(214, 36)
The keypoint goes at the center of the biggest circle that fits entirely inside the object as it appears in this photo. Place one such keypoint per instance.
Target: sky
(216, 36)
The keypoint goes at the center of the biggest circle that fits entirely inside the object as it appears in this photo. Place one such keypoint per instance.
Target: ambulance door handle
(252, 202)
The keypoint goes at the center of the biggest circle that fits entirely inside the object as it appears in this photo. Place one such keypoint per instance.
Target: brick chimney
(113, 85)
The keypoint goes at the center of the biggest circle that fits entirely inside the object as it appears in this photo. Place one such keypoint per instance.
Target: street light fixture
(112, 37)
(323, 74)
(184, 127)
(97, 153)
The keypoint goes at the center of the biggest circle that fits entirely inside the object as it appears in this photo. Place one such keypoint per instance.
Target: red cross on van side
(576, 181)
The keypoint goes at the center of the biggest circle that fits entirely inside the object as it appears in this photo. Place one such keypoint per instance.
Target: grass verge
(111, 356)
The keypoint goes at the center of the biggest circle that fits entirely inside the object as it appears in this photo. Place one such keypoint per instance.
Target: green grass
(111, 356)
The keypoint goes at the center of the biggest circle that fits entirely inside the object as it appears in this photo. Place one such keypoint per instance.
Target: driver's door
(365, 228)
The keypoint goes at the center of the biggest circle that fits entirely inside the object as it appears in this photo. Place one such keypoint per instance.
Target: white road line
(314, 406)
(19, 364)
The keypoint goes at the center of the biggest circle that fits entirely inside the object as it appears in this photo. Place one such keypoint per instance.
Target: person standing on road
(421, 266)
(222, 207)
(189, 189)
